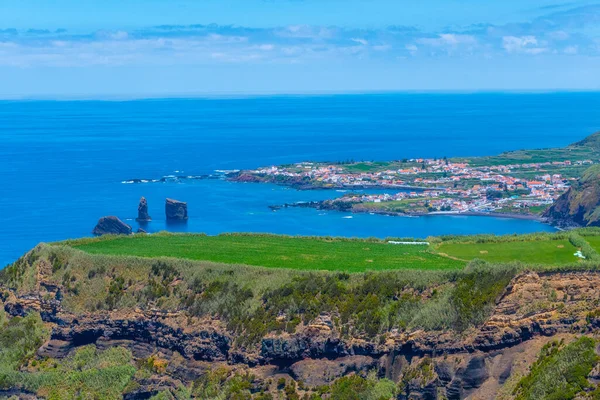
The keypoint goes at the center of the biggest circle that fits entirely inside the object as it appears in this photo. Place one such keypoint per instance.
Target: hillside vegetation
(580, 205)
(296, 331)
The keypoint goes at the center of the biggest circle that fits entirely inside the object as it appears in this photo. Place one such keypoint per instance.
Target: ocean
(63, 162)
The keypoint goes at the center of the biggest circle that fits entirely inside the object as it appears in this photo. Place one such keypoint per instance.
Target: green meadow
(306, 253)
(547, 252)
(594, 241)
(351, 255)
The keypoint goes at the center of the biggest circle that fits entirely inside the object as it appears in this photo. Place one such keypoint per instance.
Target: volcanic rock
(111, 225)
(143, 211)
(580, 205)
(176, 210)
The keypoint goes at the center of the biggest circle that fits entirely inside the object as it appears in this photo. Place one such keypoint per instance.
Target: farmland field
(276, 251)
(548, 252)
(594, 241)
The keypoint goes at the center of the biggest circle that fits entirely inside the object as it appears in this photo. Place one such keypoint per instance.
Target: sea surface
(63, 162)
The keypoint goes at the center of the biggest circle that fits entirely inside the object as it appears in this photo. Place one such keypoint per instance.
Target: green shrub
(19, 339)
(219, 383)
(586, 250)
(355, 387)
(560, 371)
(476, 292)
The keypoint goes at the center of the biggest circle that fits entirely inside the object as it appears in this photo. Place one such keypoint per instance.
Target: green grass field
(276, 251)
(548, 252)
(594, 241)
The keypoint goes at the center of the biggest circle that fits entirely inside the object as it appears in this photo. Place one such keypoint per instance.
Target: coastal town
(419, 186)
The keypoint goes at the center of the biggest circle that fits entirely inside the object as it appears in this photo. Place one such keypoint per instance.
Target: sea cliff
(456, 334)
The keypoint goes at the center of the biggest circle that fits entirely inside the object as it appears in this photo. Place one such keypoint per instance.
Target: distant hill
(592, 141)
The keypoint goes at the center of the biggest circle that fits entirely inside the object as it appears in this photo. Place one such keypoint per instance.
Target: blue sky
(139, 48)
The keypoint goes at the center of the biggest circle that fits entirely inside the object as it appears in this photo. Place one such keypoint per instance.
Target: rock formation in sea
(111, 225)
(143, 215)
(176, 210)
(580, 205)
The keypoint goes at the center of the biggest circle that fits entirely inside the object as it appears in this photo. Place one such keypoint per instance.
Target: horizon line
(247, 95)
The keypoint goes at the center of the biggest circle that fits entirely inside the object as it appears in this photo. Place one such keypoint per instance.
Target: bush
(560, 371)
(355, 387)
(19, 339)
(586, 250)
(476, 292)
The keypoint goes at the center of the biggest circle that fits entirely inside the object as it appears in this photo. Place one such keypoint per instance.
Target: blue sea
(63, 162)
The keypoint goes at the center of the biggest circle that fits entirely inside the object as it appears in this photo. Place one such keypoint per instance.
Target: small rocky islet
(175, 210)
(143, 215)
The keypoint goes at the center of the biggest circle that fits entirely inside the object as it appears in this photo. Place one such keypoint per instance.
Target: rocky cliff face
(534, 309)
(143, 215)
(111, 226)
(580, 205)
(176, 210)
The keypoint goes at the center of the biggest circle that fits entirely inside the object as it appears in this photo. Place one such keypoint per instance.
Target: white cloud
(60, 43)
(306, 31)
(196, 44)
(523, 45)
(449, 39)
(571, 50)
(559, 35)
(411, 48)
(118, 35)
(227, 38)
(382, 47)
(266, 47)
(360, 41)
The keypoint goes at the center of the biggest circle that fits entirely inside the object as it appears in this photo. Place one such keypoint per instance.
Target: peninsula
(520, 184)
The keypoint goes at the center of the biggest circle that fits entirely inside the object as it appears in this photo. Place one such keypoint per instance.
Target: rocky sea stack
(580, 205)
(176, 210)
(143, 215)
(111, 225)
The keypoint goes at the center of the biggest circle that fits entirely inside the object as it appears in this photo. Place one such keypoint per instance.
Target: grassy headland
(305, 253)
(415, 286)
(176, 274)
(347, 255)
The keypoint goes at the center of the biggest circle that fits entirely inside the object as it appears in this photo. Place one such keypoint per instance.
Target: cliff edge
(580, 205)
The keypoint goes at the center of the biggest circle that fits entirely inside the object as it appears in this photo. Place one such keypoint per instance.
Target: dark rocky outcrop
(430, 365)
(176, 210)
(323, 371)
(111, 225)
(143, 215)
(425, 364)
(151, 387)
(580, 205)
(202, 344)
(245, 178)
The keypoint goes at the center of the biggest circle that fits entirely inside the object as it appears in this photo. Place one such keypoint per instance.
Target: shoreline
(530, 217)
(318, 205)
